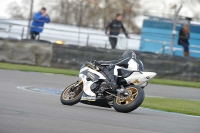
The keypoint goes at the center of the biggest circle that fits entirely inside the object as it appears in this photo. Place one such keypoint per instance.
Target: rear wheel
(71, 95)
(131, 102)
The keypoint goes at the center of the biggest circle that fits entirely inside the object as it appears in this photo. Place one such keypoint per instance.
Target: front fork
(79, 83)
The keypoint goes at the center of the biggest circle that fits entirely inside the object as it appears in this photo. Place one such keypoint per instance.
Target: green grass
(38, 69)
(189, 107)
(75, 73)
(175, 82)
(166, 104)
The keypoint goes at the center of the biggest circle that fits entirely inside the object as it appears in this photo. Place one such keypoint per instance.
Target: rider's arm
(107, 62)
(123, 62)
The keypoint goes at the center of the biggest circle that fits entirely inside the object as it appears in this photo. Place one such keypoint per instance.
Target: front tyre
(131, 102)
(71, 95)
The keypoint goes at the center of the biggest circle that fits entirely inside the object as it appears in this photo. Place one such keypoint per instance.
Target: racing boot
(122, 90)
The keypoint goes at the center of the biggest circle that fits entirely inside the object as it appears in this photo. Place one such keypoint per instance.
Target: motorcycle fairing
(140, 78)
(87, 85)
(102, 102)
(84, 74)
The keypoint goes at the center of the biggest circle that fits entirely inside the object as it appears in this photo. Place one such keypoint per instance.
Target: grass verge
(75, 73)
(183, 106)
(166, 104)
(175, 82)
(9, 66)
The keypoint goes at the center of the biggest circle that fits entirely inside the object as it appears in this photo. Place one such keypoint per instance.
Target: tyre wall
(43, 53)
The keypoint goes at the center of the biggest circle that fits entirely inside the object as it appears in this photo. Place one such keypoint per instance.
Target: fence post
(106, 45)
(175, 20)
(88, 37)
(80, 20)
(22, 35)
(30, 18)
(163, 51)
(126, 43)
(9, 29)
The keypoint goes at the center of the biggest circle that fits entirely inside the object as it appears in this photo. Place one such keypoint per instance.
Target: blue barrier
(158, 32)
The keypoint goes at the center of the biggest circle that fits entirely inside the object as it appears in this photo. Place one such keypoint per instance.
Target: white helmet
(129, 54)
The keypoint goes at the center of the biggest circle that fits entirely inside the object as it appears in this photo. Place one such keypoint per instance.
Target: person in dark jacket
(39, 20)
(184, 36)
(115, 26)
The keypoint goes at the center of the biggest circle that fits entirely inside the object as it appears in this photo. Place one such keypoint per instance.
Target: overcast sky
(154, 6)
(3, 5)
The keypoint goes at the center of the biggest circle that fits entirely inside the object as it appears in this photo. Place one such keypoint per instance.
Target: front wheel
(71, 95)
(131, 102)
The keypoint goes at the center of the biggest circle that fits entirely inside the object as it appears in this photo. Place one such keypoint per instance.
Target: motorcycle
(93, 88)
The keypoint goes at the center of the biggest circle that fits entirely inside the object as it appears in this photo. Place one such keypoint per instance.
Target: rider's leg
(112, 77)
(113, 82)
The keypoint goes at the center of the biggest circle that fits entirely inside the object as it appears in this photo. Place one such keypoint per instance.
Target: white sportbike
(93, 88)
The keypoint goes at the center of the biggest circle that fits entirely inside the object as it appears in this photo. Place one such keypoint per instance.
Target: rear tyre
(71, 97)
(132, 102)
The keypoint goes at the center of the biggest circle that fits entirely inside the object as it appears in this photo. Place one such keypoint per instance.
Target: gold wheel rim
(73, 95)
(133, 92)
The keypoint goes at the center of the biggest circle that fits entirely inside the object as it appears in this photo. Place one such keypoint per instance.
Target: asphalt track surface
(29, 112)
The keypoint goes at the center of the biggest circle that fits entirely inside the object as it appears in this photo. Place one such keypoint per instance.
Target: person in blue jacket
(39, 20)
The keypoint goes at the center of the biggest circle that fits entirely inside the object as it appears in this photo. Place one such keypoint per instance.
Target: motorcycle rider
(127, 57)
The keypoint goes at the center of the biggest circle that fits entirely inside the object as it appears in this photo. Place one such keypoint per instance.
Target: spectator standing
(115, 26)
(39, 19)
(184, 36)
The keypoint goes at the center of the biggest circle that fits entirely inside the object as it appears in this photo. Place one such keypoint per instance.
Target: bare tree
(19, 11)
(95, 13)
(87, 13)
(15, 10)
(194, 6)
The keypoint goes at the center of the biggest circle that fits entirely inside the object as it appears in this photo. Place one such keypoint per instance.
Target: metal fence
(17, 29)
(68, 34)
(82, 22)
(84, 13)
